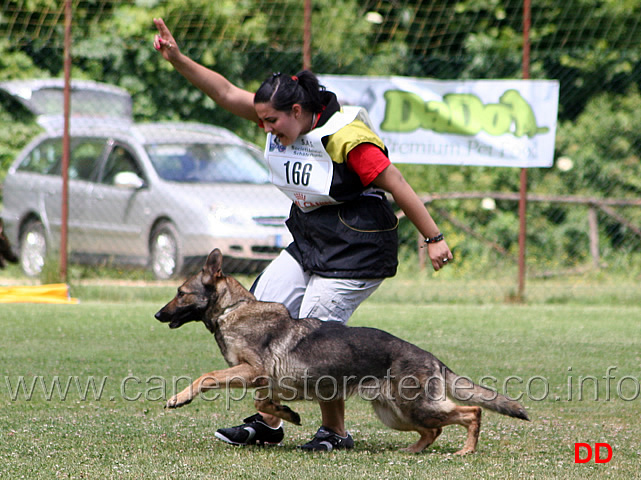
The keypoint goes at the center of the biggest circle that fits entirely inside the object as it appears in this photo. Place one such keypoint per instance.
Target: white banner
(505, 123)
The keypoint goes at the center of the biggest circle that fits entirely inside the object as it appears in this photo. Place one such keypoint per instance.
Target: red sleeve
(368, 161)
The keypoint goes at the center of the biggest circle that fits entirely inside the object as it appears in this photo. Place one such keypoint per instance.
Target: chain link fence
(583, 212)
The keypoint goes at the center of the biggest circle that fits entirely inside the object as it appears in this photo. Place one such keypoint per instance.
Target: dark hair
(283, 91)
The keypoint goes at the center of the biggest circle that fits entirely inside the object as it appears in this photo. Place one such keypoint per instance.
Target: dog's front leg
(239, 376)
(265, 404)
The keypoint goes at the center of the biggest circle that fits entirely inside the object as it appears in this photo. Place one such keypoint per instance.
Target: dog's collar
(212, 323)
(233, 307)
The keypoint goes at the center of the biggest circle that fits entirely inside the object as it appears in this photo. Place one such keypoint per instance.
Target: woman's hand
(439, 254)
(164, 41)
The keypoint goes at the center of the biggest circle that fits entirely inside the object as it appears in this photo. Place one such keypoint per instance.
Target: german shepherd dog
(6, 254)
(285, 359)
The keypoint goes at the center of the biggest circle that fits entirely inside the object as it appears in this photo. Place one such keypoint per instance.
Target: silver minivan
(158, 194)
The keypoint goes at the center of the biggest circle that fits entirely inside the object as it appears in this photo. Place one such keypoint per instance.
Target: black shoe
(253, 431)
(325, 441)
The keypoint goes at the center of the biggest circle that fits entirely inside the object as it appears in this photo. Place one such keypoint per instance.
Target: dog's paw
(465, 451)
(290, 415)
(176, 402)
(295, 418)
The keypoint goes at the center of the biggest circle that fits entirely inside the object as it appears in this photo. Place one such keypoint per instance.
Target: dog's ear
(213, 267)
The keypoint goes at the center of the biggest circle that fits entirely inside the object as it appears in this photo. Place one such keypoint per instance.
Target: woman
(336, 171)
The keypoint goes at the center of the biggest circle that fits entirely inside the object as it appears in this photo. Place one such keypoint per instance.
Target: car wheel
(166, 260)
(33, 248)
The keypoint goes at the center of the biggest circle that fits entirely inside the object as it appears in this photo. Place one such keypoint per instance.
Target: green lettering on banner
(403, 111)
(460, 114)
(466, 113)
(497, 119)
(524, 119)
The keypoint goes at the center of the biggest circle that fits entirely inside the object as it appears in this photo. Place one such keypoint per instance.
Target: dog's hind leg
(430, 420)
(470, 418)
(395, 418)
(428, 436)
(267, 405)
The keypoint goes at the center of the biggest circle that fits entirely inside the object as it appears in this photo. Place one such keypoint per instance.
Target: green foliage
(16, 123)
(588, 45)
(604, 148)
(16, 64)
(13, 136)
(604, 145)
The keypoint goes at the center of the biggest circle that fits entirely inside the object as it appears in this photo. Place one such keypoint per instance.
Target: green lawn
(115, 365)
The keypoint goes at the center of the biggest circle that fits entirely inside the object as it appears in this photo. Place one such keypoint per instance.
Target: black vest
(354, 239)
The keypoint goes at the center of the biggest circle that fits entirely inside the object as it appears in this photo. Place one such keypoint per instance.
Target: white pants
(307, 295)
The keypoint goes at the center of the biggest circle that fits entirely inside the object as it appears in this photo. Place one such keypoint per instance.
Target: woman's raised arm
(230, 97)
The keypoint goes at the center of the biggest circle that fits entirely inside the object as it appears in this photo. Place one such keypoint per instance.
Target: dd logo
(597, 452)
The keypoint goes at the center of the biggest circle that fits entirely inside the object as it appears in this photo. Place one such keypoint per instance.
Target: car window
(44, 158)
(120, 160)
(84, 102)
(85, 155)
(207, 163)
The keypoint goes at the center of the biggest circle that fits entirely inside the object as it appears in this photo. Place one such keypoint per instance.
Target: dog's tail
(463, 390)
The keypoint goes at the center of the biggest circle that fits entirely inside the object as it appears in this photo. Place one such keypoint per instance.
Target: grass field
(83, 387)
